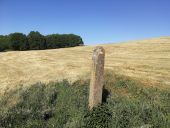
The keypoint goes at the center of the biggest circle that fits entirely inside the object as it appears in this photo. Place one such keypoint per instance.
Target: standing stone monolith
(97, 77)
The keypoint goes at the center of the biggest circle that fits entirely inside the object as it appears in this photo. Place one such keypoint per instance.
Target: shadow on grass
(65, 105)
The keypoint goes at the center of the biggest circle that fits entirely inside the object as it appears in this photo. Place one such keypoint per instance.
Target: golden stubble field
(145, 60)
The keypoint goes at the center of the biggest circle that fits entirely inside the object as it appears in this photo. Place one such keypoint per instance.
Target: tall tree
(4, 42)
(36, 40)
(64, 40)
(19, 41)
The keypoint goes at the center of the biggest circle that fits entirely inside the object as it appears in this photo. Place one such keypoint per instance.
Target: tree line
(36, 41)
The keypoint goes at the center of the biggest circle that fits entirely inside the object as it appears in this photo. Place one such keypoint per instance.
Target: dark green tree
(62, 41)
(52, 41)
(73, 40)
(18, 41)
(4, 43)
(36, 41)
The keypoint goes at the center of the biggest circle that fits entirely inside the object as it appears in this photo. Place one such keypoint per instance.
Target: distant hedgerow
(36, 41)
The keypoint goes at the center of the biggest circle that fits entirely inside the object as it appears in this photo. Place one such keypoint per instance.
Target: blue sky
(96, 21)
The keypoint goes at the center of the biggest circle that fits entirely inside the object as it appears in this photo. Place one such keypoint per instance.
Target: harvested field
(146, 60)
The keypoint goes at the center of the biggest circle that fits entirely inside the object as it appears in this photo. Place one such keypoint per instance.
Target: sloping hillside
(146, 60)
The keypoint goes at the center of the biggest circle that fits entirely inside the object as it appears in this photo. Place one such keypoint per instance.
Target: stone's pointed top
(99, 50)
(99, 47)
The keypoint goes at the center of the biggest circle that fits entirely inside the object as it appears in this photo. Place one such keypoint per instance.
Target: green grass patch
(65, 105)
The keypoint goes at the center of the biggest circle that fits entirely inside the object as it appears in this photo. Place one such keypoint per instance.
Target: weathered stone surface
(97, 78)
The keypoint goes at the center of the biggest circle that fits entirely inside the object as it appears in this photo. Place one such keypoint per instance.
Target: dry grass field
(145, 60)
